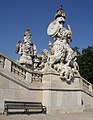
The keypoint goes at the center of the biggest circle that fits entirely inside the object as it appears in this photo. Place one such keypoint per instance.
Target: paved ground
(87, 115)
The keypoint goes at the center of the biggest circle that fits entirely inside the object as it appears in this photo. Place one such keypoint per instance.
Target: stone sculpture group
(61, 58)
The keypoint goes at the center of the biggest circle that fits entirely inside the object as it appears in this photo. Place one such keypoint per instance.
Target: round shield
(53, 28)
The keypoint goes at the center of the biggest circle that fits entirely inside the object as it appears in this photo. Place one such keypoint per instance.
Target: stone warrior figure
(27, 50)
(61, 57)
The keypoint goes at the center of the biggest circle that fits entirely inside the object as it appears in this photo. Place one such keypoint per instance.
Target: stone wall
(87, 101)
(63, 101)
(61, 96)
(11, 91)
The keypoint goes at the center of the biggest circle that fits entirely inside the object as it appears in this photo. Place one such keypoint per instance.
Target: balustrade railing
(36, 77)
(87, 87)
(33, 77)
(18, 70)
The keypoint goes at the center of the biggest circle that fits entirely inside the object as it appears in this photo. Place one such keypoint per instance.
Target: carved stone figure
(61, 57)
(27, 50)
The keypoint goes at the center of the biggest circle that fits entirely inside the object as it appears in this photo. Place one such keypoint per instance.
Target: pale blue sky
(17, 15)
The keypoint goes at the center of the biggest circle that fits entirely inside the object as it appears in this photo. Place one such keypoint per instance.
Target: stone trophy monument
(56, 69)
(60, 69)
(61, 58)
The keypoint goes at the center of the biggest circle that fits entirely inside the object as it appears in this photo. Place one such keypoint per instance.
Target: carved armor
(61, 57)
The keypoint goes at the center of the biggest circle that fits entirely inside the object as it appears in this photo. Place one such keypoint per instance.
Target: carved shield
(53, 28)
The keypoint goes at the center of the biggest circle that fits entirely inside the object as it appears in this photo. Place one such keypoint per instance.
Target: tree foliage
(85, 61)
(76, 49)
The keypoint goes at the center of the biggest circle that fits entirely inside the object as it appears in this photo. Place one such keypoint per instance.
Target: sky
(17, 15)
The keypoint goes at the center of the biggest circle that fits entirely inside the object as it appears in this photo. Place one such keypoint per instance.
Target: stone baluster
(36, 77)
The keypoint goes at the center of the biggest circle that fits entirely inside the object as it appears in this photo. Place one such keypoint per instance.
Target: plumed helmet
(60, 12)
(27, 35)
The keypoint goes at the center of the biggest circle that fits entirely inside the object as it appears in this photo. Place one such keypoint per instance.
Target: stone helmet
(27, 35)
(60, 13)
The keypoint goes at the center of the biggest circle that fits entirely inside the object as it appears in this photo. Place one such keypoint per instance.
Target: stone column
(28, 77)
(50, 80)
(7, 65)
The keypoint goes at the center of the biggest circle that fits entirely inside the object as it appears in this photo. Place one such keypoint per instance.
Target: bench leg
(5, 111)
(44, 110)
(27, 111)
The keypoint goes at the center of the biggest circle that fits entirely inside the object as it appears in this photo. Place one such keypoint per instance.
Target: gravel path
(87, 115)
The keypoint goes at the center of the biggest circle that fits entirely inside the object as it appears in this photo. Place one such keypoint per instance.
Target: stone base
(62, 101)
(61, 97)
(58, 96)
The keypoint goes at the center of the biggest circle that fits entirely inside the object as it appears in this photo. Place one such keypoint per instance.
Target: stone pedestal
(59, 96)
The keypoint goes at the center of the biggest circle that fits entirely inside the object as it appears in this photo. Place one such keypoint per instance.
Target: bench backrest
(22, 105)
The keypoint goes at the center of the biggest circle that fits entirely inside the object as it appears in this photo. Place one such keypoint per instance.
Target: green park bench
(15, 107)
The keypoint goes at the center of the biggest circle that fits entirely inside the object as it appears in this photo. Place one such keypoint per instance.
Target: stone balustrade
(18, 70)
(34, 77)
(86, 86)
